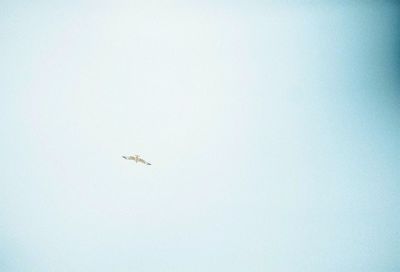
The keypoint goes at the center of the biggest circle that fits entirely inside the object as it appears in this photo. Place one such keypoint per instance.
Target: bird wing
(143, 161)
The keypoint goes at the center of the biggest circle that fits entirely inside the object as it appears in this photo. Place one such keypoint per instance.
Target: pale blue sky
(273, 131)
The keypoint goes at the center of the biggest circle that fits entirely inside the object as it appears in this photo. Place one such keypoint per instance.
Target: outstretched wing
(143, 161)
(128, 157)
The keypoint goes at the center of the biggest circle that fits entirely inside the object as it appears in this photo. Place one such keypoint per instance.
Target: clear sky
(273, 131)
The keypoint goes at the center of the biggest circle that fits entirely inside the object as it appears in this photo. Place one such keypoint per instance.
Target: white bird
(136, 158)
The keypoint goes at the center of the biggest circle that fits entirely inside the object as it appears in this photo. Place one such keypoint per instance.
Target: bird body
(136, 158)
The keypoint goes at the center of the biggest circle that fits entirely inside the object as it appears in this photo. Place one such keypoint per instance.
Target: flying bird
(136, 158)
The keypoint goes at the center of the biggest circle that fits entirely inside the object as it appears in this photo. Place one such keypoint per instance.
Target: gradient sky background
(273, 130)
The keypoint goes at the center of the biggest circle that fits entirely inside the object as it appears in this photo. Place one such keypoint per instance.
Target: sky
(272, 127)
